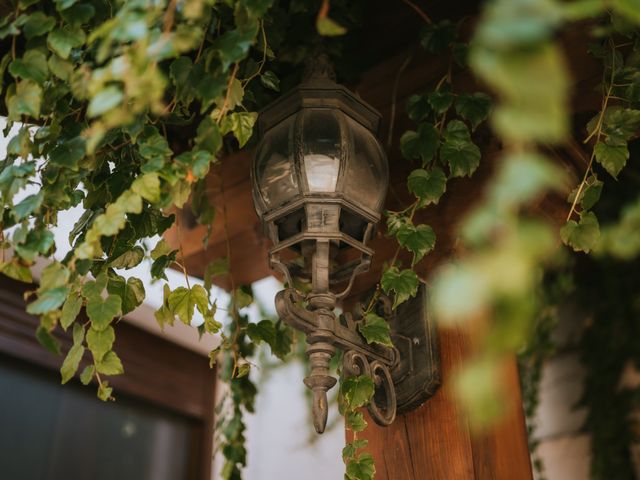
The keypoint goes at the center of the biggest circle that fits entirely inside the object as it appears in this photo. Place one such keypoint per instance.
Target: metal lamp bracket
(405, 375)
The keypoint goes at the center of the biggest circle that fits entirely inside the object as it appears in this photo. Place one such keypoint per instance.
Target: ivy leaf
(329, 28)
(129, 259)
(629, 8)
(182, 302)
(105, 391)
(357, 391)
(87, 374)
(68, 153)
(355, 421)
(209, 137)
(440, 100)
(418, 107)
(48, 300)
(612, 157)
(242, 370)
(375, 329)
(71, 362)
(417, 239)
(590, 193)
(233, 45)
(153, 147)
(131, 292)
(100, 342)
(147, 186)
(462, 155)
(26, 101)
(54, 275)
(38, 24)
(362, 468)
(32, 66)
(428, 186)
(102, 311)
(436, 37)
(47, 340)
(421, 144)
(110, 364)
(161, 249)
(94, 288)
(105, 100)
(473, 107)
(263, 331)
(403, 283)
(16, 270)
(350, 449)
(282, 345)
(62, 40)
(270, 80)
(70, 310)
(582, 236)
(241, 124)
(27, 206)
(38, 242)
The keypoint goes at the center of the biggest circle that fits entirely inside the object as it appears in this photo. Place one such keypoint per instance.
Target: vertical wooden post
(434, 441)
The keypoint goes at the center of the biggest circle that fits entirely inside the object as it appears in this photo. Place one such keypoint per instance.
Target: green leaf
(147, 186)
(355, 421)
(436, 37)
(209, 137)
(16, 270)
(375, 329)
(62, 40)
(71, 362)
(474, 108)
(582, 236)
(403, 283)
(329, 28)
(100, 342)
(462, 155)
(242, 298)
(32, 66)
(417, 239)
(129, 259)
(38, 242)
(47, 340)
(350, 449)
(153, 147)
(628, 8)
(54, 275)
(428, 186)
(27, 206)
(241, 124)
(161, 249)
(131, 292)
(38, 24)
(590, 193)
(70, 310)
(421, 144)
(440, 100)
(242, 370)
(612, 157)
(418, 107)
(357, 391)
(94, 288)
(102, 311)
(26, 101)
(105, 100)
(48, 300)
(362, 468)
(270, 80)
(263, 331)
(105, 391)
(68, 153)
(233, 45)
(110, 364)
(87, 374)
(182, 302)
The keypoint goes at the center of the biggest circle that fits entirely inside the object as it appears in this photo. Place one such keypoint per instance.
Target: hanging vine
(122, 108)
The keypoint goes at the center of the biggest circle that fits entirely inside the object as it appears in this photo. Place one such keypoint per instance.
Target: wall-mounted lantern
(320, 178)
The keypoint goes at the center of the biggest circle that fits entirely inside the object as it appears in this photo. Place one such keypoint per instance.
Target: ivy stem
(394, 98)
(264, 56)
(597, 131)
(225, 103)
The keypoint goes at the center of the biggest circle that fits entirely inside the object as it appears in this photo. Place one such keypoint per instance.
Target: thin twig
(394, 97)
(419, 11)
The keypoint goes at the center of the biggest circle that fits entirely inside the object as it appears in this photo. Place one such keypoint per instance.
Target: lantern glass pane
(321, 143)
(322, 172)
(275, 174)
(366, 172)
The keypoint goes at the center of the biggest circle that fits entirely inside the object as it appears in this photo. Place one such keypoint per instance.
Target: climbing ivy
(122, 108)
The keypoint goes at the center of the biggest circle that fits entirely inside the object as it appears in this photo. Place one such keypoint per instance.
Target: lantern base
(416, 376)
